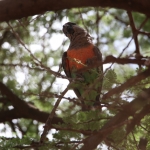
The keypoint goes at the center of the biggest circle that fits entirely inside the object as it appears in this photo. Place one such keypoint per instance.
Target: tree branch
(48, 123)
(123, 61)
(129, 83)
(134, 31)
(129, 109)
(22, 109)
(16, 9)
(137, 118)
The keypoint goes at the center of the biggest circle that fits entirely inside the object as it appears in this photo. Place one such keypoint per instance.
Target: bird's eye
(70, 29)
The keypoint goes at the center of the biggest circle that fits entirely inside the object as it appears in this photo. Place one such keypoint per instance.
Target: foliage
(31, 49)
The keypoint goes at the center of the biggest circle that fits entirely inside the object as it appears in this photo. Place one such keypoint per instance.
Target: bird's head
(78, 36)
(71, 29)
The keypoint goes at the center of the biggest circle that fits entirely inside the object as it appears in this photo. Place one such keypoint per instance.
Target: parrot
(78, 62)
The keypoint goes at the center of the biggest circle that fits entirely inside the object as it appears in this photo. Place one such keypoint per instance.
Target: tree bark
(17, 9)
(130, 109)
(22, 109)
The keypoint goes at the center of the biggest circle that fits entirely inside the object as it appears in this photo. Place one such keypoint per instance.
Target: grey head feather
(78, 36)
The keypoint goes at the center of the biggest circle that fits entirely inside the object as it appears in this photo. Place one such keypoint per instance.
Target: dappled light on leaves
(36, 96)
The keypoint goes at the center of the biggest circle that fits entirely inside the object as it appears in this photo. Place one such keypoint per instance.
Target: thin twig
(35, 60)
(125, 47)
(82, 19)
(144, 128)
(137, 51)
(142, 24)
(48, 123)
(135, 140)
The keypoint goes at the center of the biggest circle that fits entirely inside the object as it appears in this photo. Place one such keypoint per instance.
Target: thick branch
(22, 109)
(129, 83)
(123, 61)
(137, 118)
(40, 116)
(16, 9)
(129, 109)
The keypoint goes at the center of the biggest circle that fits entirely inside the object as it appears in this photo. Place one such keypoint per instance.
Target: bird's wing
(65, 65)
(98, 55)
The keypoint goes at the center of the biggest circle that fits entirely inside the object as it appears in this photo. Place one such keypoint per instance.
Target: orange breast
(78, 57)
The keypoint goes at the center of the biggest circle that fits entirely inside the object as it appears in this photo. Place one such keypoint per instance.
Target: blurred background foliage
(42, 40)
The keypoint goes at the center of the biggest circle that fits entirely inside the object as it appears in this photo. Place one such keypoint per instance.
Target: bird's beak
(65, 29)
